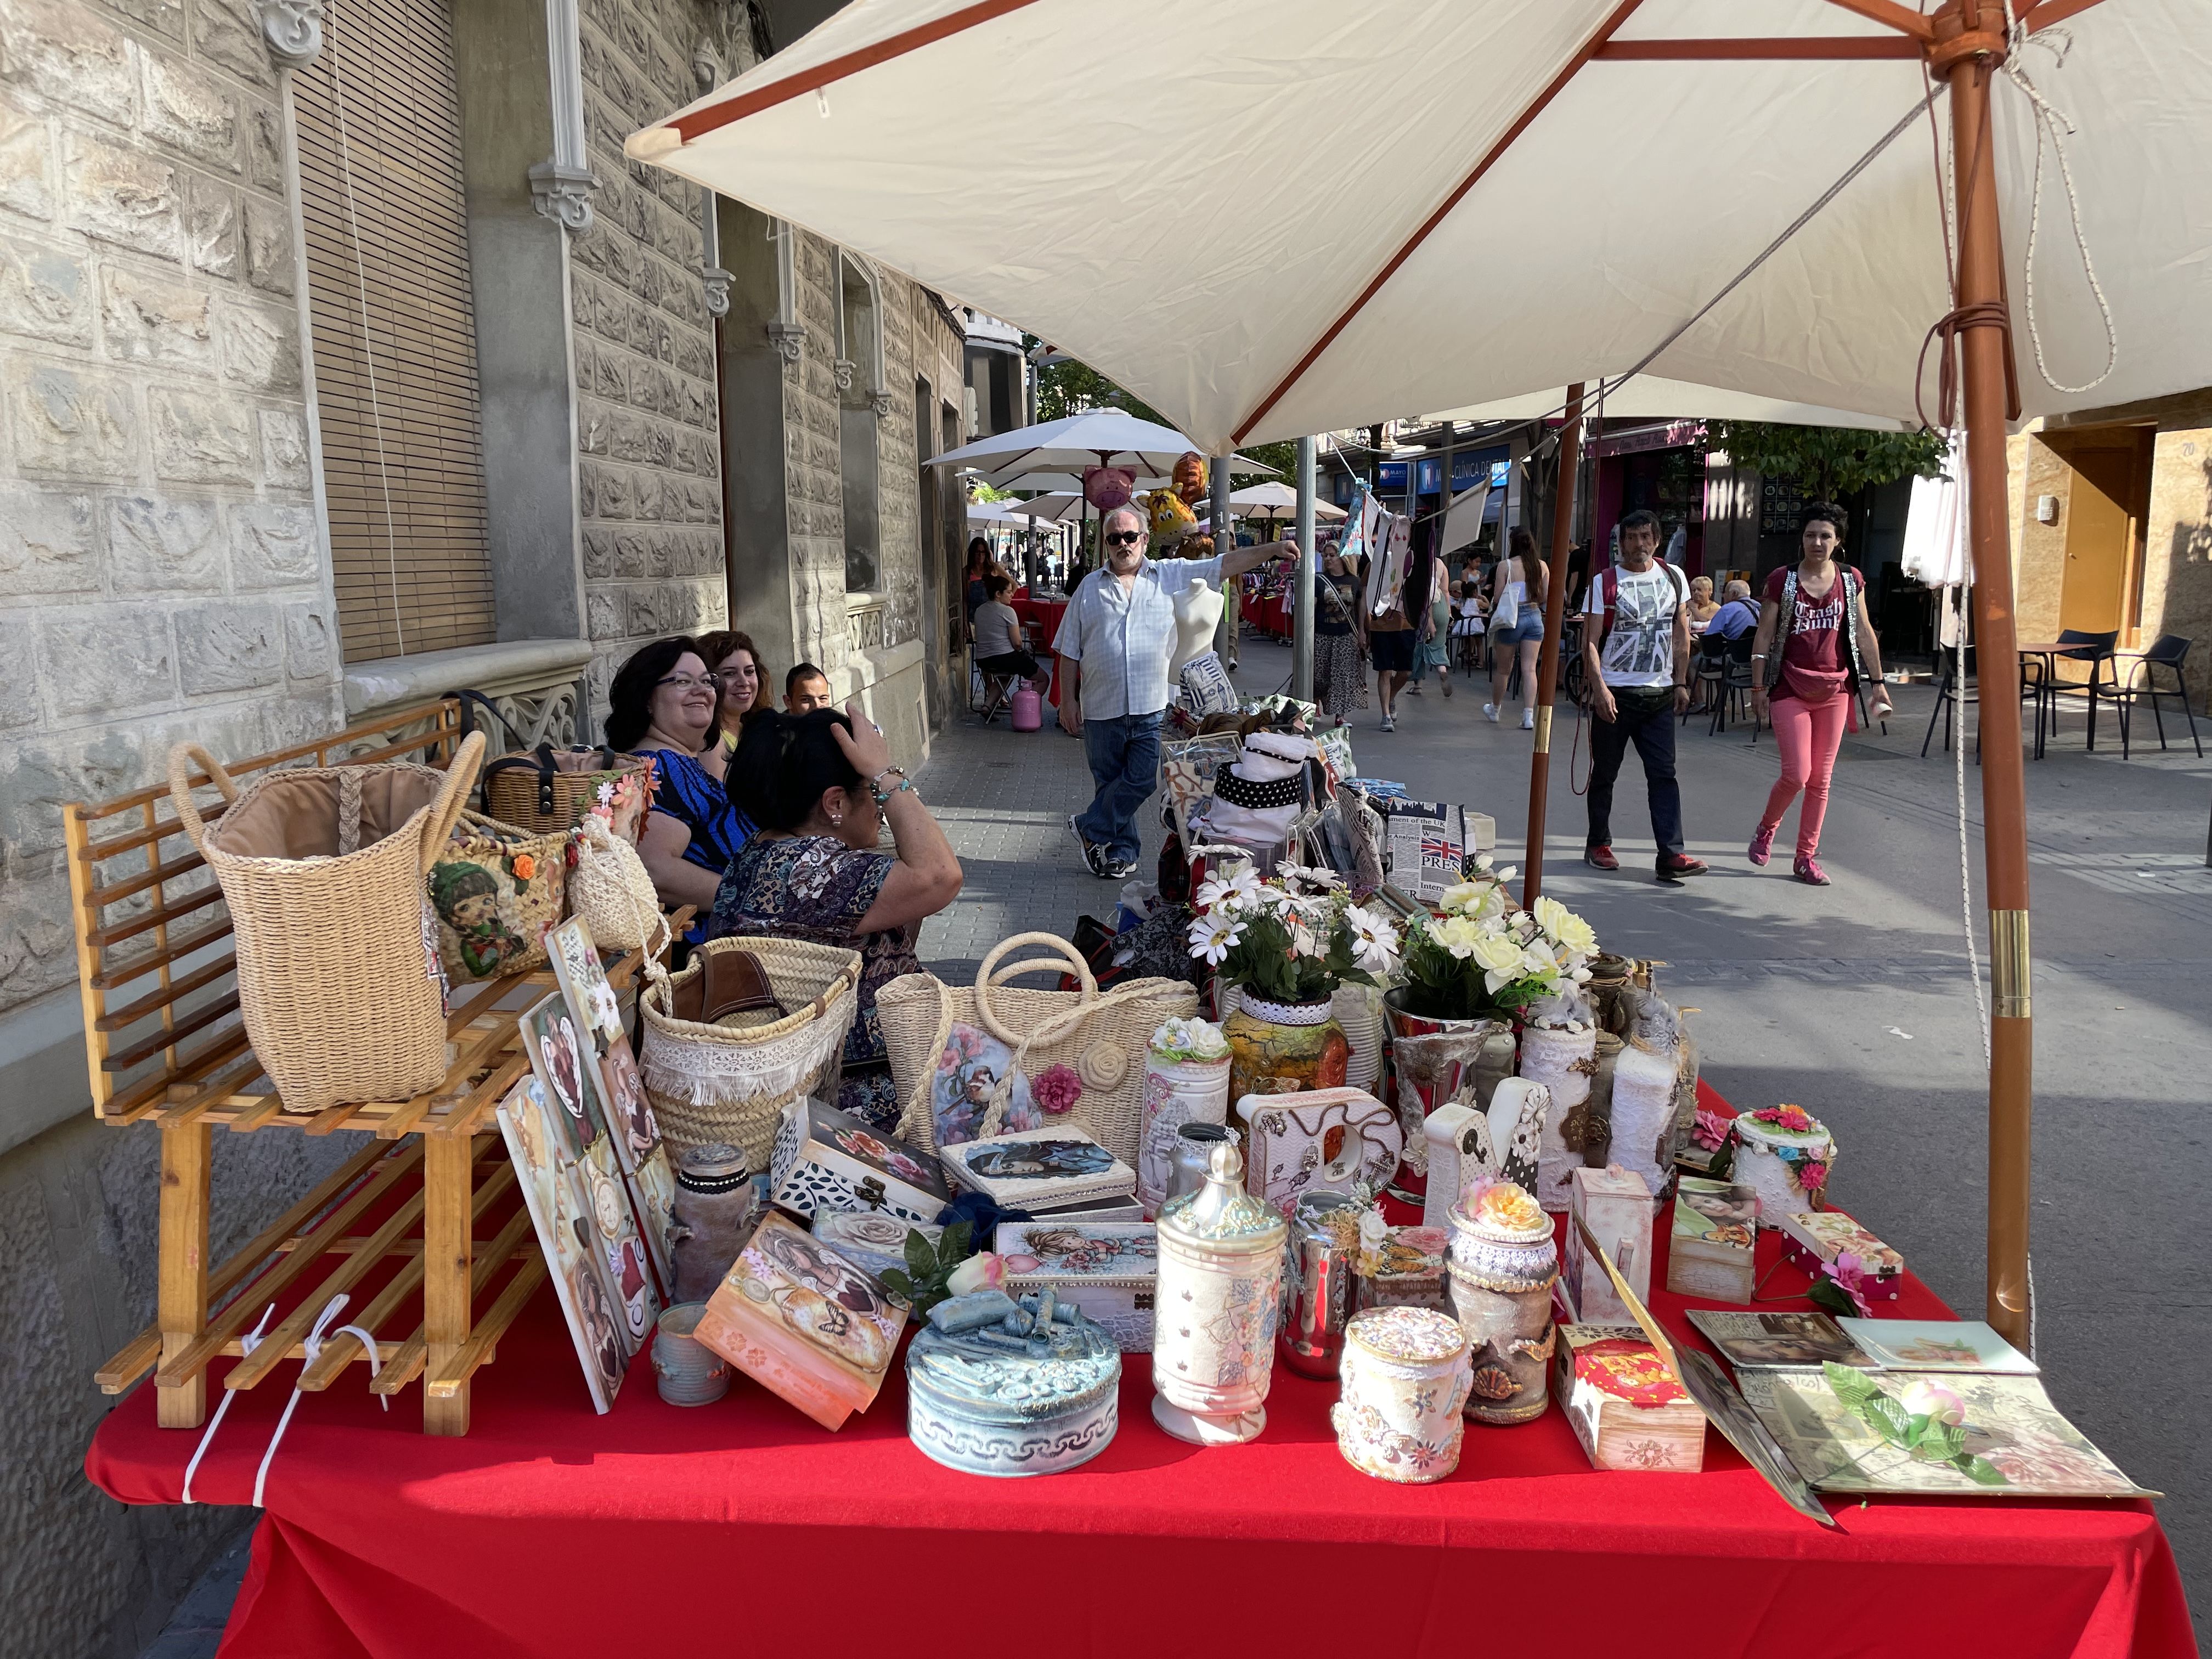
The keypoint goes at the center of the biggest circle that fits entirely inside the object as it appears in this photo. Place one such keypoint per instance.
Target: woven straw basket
(731, 1082)
(322, 869)
(1102, 1036)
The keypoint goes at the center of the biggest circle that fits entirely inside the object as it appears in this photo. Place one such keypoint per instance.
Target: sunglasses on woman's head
(1125, 538)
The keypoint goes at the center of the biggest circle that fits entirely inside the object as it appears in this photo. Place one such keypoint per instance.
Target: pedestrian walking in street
(1339, 643)
(1115, 641)
(1636, 657)
(1517, 592)
(822, 786)
(1389, 643)
(1433, 652)
(979, 567)
(1815, 645)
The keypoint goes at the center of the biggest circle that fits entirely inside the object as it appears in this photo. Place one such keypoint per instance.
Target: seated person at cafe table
(821, 786)
(999, 648)
(1114, 643)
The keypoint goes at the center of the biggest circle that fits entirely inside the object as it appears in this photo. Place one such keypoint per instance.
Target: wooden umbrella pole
(2004, 803)
(1547, 663)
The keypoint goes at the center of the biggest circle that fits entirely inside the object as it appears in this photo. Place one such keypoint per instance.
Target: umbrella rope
(2053, 122)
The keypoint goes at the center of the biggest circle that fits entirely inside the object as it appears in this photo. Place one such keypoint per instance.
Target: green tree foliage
(1070, 388)
(1829, 461)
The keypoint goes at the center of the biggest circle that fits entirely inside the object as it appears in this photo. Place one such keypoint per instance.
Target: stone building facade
(171, 536)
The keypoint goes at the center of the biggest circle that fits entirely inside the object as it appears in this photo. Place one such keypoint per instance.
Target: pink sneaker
(1809, 871)
(1762, 844)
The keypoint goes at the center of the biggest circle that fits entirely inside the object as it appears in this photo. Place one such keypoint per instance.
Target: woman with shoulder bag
(1517, 624)
(1815, 645)
(1339, 643)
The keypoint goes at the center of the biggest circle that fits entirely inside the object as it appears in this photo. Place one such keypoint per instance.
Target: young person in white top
(1636, 655)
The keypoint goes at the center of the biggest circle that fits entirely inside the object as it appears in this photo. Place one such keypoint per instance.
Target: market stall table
(550, 1531)
(1044, 615)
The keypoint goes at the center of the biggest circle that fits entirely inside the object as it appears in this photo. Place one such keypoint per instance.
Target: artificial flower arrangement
(1481, 955)
(1292, 937)
(1193, 1039)
(1926, 1421)
(1809, 1163)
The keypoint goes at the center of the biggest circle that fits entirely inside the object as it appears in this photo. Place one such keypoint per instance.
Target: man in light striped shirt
(1114, 643)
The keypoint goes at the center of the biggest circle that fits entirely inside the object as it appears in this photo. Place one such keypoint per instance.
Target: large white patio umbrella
(1275, 501)
(1469, 200)
(1096, 437)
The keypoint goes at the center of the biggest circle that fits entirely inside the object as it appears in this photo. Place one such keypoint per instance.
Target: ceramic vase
(710, 1219)
(1359, 1011)
(1406, 1378)
(1191, 1157)
(687, 1370)
(1563, 1061)
(1771, 1160)
(1502, 1278)
(1283, 1047)
(1176, 1092)
(1220, 1289)
(1591, 1134)
(1500, 1056)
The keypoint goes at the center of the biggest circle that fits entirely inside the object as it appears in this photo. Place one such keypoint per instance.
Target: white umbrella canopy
(1648, 397)
(1054, 507)
(1553, 188)
(1275, 500)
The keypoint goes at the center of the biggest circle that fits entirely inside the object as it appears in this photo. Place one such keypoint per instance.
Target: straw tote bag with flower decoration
(498, 891)
(323, 870)
(609, 890)
(992, 1060)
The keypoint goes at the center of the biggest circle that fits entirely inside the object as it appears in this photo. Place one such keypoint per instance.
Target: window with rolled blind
(394, 328)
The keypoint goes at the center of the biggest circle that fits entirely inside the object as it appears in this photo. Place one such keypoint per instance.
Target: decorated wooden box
(1712, 1240)
(1818, 1235)
(1302, 1141)
(871, 1240)
(1405, 1269)
(1000, 1387)
(803, 1322)
(1627, 1407)
(1109, 1269)
(826, 1159)
(1616, 1206)
(1058, 1166)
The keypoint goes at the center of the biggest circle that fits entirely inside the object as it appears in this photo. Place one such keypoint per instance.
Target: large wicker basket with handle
(730, 1082)
(1099, 1036)
(323, 870)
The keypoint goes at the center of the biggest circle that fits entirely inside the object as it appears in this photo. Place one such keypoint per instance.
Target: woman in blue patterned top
(821, 785)
(664, 703)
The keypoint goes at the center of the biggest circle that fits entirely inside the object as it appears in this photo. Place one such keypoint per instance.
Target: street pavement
(1852, 1000)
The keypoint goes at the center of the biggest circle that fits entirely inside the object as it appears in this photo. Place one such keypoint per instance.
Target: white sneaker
(1527, 720)
(1490, 713)
(1389, 723)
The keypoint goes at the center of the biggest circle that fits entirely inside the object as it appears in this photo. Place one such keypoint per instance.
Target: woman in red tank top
(1815, 644)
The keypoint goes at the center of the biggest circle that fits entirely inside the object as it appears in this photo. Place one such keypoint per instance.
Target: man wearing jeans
(1636, 656)
(1114, 643)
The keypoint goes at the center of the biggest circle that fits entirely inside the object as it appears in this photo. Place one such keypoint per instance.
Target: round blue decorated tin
(1035, 1393)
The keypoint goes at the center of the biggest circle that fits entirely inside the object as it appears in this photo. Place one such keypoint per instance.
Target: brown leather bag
(729, 986)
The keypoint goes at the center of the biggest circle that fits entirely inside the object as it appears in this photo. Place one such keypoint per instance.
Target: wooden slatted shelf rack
(165, 1045)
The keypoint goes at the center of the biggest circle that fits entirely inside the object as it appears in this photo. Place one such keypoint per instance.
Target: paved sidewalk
(1004, 798)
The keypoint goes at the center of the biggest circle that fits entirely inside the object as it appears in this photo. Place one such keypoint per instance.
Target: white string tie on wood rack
(313, 1349)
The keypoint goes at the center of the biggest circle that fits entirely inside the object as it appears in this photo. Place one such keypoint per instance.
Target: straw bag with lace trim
(1102, 1036)
(728, 1079)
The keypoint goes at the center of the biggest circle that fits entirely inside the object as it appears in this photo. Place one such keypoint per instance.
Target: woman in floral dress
(820, 787)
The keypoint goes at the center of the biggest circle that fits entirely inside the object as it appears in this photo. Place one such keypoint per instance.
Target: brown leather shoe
(1601, 857)
(1673, 867)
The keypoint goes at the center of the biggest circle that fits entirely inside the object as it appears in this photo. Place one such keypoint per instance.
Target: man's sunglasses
(1125, 538)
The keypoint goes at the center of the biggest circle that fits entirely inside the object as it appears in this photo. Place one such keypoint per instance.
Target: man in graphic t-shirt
(1636, 655)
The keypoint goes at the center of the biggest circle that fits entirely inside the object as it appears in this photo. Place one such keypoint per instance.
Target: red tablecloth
(1046, 615)
(741, 1526)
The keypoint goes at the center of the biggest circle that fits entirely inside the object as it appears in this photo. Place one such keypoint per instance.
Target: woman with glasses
(735, 662)
(665, 703)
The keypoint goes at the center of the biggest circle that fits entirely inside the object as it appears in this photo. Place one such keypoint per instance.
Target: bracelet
(1758, 656)
(883, 796)
(876, 782)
